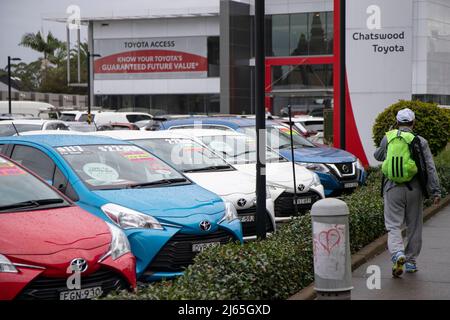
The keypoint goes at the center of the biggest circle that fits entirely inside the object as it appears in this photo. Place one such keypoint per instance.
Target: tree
(48, 46)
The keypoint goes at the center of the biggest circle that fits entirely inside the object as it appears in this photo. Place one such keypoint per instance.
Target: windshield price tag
(72, 150)
(9, 169)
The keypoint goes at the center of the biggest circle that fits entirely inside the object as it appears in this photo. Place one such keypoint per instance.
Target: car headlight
(230, 212)
(316, 180)
(6, 265)
(119, 242)
(269, 189)
(319, 167)
(128, 219)
(359, 165)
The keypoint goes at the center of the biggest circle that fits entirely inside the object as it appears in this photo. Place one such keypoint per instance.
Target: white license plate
(199, 247)
(81, 294)
(304, 201)
(351, 185)
(246, 219)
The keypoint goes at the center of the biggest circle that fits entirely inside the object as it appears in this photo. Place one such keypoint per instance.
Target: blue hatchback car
(338, 170)
(168, 219)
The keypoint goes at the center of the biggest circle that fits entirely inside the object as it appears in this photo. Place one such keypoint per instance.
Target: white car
(14, 127)
(310, 127)
(205, 168)
(240, 151)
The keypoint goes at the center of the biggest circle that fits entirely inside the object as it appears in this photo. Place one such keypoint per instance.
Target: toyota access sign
(151, 58)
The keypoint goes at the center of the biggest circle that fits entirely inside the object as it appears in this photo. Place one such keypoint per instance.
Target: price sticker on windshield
(9, 169)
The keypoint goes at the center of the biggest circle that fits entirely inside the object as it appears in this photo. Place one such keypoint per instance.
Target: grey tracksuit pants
(404, 207)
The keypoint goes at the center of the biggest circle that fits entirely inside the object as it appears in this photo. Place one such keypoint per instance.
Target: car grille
(341, 168)
(44, 288)
(249, 228)
(177, 254)
(284, 204)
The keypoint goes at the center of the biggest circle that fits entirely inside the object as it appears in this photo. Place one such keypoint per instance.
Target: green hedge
(432, 123)
(277, 267)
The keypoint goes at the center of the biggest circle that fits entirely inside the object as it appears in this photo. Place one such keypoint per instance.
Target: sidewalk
(431, 282)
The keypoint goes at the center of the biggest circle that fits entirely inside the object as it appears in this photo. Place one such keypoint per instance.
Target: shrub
(277, 267)
(432, 123)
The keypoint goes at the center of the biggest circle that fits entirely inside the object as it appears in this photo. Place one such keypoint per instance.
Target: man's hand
(436, 200)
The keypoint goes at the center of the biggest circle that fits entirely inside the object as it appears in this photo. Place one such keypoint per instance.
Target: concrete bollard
(331, 245)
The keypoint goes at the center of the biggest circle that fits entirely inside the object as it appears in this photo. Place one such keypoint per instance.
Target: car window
(34, 160)
(18, 186)
(137, 117)
(184, 154)
(67, 117)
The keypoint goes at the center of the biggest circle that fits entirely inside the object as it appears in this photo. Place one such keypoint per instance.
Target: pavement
(432, 282)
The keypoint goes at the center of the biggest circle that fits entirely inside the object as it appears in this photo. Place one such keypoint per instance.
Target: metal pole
(89, 87)
(342, 76)
(9, 85)
(68, 54)
(261, 215)
(79, 53)
(293, 158)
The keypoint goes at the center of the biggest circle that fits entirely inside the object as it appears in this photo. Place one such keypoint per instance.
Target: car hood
(172, 202)
(225, 183)
(319, 155)
(46, 232)
(281, 173)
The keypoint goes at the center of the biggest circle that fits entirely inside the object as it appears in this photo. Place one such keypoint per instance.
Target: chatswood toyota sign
(379, 65)
(151, 58)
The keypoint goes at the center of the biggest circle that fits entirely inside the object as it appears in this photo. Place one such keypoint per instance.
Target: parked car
(206, 169)
(107, 117)
(338, 170)
(240, 150)
(14, 127)
(35, 108)
(168, 219)
(309, 127)
(43, 236)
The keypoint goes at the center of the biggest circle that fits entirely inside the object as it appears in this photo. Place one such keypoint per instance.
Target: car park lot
(163, 195)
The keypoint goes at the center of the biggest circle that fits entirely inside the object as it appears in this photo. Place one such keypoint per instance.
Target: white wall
(148, 28)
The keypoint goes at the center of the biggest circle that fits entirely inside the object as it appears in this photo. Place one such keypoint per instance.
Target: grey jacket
(433, 186)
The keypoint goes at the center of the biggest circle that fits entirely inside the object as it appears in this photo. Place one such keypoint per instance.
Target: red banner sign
(151, 61)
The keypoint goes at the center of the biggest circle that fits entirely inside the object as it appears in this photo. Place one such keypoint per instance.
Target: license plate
(81, 294)
(351, 185)
(246, 219)
(304, 201)
(199, 247)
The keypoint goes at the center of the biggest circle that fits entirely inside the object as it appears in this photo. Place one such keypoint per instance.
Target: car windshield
(184, 154)
(278, 137)
(237, 149)
(20, 190)
(104, 167)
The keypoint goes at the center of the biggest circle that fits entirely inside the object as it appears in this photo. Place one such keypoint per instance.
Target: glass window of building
(299, 34)
(280, 35)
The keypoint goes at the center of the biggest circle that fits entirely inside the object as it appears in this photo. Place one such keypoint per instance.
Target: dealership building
(197, 56)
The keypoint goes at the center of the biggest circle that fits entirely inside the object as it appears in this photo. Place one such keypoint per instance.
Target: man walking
(409, 177)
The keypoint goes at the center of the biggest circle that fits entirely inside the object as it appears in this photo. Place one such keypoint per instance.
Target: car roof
(232, 122)
(64, 140)
(207, 132)
(140, 135)
(31, 121)
(304, 118)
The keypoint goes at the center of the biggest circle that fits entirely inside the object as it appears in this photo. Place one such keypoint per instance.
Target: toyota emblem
(79, 265)
(205, 225)
(241, 203)
(301, 187)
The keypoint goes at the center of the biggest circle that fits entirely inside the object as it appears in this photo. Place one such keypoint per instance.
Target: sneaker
(398, 261)
(411, 267)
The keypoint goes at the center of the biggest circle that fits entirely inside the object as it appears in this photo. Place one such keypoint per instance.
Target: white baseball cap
(406, 115)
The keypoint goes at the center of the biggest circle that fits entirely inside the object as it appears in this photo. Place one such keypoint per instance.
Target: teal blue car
(167, 218)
